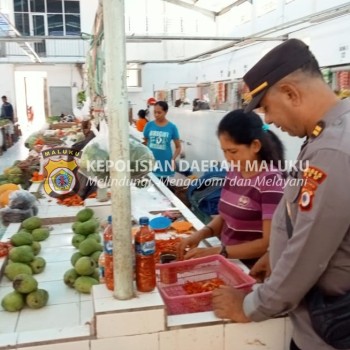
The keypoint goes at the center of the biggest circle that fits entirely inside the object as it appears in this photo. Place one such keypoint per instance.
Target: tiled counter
(72, 321)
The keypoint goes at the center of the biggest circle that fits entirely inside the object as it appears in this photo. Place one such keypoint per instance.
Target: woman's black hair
(163, 105)
(142, 113)
(244, 128)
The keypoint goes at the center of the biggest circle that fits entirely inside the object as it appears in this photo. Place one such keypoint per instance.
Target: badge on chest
(243, 201)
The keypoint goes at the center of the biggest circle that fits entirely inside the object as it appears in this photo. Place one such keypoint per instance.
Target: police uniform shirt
(318, 251)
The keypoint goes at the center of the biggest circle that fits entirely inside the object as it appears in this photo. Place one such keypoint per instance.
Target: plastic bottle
(144, 256)
(101, 267)
(108, 254)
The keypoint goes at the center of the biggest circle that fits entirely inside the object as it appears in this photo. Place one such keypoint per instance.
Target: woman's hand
(188, 243)
(201, 252)
(261, 269)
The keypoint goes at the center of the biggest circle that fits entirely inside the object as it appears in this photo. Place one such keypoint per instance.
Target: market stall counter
(99, 321)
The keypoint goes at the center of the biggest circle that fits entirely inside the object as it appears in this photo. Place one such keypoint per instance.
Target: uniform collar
(342, 107)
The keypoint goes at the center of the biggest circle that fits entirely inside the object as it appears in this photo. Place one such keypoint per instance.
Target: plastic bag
(21, 199)
(10, 215)
(95, 155)
(141, 159)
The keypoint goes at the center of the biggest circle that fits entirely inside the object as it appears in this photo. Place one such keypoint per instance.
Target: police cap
(275, 65)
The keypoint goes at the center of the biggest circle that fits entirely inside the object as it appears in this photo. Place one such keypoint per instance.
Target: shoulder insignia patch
(312, 178)
(314, 174)
(318, 129)
(305, 200)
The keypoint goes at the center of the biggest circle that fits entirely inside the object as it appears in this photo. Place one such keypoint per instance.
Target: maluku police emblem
(61, 177)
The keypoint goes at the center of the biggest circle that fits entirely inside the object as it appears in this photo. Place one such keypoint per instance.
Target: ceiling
(213, 7)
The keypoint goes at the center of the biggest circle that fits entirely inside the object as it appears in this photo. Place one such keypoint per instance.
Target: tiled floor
(57, 251)
(17, 151)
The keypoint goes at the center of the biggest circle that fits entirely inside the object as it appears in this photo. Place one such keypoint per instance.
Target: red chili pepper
(197, 287)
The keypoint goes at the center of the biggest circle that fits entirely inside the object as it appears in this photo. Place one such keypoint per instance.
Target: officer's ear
(290, 93)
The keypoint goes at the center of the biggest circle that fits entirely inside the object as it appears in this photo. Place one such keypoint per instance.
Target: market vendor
(86, 185)
(252, 190)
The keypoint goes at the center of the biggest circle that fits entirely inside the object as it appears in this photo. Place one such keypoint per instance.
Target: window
(72, 24)
(71, 6)
(55, 25)
(37, 5)
(21, 5)
(54, 6)
(22, 23)
(60, 17)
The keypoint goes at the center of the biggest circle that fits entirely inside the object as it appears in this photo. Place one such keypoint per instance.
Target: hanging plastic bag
(94, 162)
(141, 159)
(95, 155)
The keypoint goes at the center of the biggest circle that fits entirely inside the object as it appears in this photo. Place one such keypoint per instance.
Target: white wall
(57, 75)
(161, 77)
(87, 14)
(198, 131)
(7, 83)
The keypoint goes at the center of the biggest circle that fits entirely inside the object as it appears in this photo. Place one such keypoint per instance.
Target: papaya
(85, 214)
(21, 254)
(87, 227)
(83, 284)
(32, 223)
(23, 238)
(40, 234)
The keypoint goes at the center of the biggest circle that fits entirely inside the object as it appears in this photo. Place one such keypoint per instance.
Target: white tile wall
(55, 334)
(288, 332)
(77, 345)
(130, 323)
(109, 304)
(59, 293)
(54, 271)
(9, 325)
(60, 316)
(267, 335)
(200, 338)
(192, 319)
(8, 339)
(86, 313)
(139, 342)
(56, 254)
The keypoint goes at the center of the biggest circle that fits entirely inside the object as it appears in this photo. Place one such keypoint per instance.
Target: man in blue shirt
(7, 113)
(6, 110)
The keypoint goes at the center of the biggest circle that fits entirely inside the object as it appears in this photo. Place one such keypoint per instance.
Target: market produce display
(20, 173)
(86, 239)
(22, 264)
(195, 287)
(25, 248)
(25, 292)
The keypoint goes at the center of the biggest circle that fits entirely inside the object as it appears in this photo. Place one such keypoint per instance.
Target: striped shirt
(246, 202)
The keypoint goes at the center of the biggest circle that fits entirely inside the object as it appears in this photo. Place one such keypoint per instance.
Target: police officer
(310, 237)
